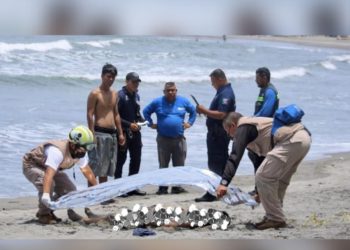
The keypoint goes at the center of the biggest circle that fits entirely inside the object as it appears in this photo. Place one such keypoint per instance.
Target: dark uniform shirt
(224, 101)
(129, 107)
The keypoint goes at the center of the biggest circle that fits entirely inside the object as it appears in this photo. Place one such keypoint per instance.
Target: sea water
(45, 81)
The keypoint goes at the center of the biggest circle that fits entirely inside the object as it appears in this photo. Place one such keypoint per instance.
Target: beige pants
(275, 172)
(61, 184)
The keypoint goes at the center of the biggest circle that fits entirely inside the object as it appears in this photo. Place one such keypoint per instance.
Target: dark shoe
(107, 202)
(124, 195)
(266, 223)
(137, 192)
(47, 219)
(162, 190)
(207, 197)
(178, 190)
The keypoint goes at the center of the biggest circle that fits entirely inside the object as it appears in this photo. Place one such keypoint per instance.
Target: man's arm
(48, 177)
(211, 113)
(147, 112)
(192, 111)
(118, 123)
(91, 105)
(244, 135)
(89, 175)
(268, 106)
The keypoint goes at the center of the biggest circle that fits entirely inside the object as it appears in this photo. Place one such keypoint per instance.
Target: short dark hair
(109, 68)
(169, 85)
(231, 117)
(218, 73)
(263, 71)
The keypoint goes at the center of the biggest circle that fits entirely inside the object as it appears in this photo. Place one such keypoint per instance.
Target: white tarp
(202, 178)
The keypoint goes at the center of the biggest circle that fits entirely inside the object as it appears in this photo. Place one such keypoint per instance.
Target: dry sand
(340, 42)
(316, 206)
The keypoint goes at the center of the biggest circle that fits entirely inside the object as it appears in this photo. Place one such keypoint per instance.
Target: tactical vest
(261, 98)
(262, 144)
(37, 155)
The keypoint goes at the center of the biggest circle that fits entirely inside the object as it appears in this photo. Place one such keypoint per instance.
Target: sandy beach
(340, 42)
(316, 206)
(316, 203)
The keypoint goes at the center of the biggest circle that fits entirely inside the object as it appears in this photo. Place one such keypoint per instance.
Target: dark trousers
(134, 146)
(217, 145)
(255, 159)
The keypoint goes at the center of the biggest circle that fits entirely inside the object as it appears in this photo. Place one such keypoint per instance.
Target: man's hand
(221, 190)
(154, 126)
(200, 109)
(187, 125)
(121, 139)
(46, 200)
(134, 127)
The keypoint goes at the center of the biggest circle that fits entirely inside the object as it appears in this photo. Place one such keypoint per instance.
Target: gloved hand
(46, 200)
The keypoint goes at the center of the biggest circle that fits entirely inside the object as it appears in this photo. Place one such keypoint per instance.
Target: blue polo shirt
(224, 101)
(170, 115)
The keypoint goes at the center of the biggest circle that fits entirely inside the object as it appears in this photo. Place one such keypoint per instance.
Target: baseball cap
(133, 77)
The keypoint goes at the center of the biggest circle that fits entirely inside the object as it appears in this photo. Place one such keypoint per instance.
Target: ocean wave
(41, 47)
(328, 65)
(341, 58)
(102, 43)
(146, 78)
(284, 73)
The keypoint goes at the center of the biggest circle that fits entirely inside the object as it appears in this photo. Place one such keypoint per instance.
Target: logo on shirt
(180, 108)
(225, 101)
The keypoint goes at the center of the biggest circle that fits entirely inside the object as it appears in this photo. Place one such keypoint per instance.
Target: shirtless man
(104, 121)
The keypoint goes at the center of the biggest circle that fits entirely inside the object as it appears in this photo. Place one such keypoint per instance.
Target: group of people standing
(114, 123)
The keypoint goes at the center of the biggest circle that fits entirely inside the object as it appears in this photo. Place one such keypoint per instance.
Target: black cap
(132, 76)
(218, 73)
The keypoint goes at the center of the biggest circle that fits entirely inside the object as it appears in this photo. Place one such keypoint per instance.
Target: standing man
(217, 139)
(129, 111)
(43, 166)
(291, 144)
(171, 143)
(265, 106)
(104, 120)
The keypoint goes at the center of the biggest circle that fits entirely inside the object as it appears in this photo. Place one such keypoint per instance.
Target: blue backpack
(285, 116)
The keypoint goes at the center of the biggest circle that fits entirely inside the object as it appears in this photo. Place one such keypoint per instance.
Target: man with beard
(43, 166)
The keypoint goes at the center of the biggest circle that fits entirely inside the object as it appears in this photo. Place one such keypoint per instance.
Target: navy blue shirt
(129, 107)
(170, 115)
(224, 101)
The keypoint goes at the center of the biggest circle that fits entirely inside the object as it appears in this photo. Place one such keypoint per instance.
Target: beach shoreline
(316, 207)
(339, 42)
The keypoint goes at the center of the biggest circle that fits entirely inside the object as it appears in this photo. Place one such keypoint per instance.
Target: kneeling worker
(43, 166)
(291, 144)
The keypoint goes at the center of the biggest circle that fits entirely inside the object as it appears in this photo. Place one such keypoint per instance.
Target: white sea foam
(284, 73)
(341, 58)
(102, 43)
(41, 47)
(328, 65)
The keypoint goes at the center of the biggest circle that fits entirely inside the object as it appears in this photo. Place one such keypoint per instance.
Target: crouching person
(284, 152)
(43, 166)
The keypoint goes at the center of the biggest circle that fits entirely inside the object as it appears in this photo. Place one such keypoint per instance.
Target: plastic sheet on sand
(201, 178)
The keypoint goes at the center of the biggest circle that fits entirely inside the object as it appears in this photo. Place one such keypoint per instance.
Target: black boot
(207, 197)
(162, 190)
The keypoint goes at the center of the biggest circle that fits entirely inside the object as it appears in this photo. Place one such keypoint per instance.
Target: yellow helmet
(81, 135)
